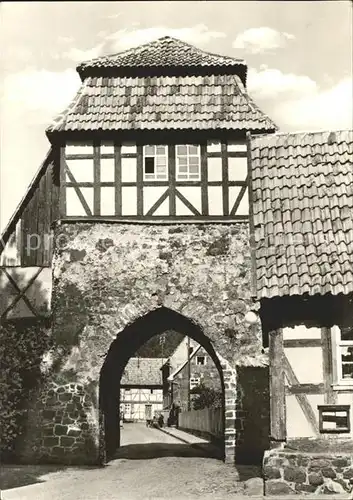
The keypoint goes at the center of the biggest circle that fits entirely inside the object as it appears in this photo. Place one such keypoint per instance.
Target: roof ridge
(153, 43)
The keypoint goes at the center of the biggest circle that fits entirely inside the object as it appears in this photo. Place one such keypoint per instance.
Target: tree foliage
(21, 352)
(206, 397)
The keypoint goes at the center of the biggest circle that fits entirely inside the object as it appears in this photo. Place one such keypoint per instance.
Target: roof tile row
(302, 187)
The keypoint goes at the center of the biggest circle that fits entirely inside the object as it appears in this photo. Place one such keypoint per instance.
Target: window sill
(343, 387)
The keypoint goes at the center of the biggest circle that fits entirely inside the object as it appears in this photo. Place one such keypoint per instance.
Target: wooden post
(225, 178)
(330, 395)
(62, 202)
(251, 218)
(277, 387)
(172, 179)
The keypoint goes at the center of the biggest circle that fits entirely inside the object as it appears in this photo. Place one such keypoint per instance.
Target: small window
(188, 162)
(334, 418)
(155, 163)
(343, 345)
(200, 360)
(194, 382)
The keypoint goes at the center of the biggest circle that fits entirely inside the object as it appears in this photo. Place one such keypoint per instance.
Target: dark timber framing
(330, 394)
(277, 387)
(171, 185)
(117, 178)
(139, 180)
(225, 189)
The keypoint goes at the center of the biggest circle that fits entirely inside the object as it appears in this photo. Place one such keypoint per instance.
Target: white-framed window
(155, 163)
(201, 360)
(342, 346)
(188, 162)
(194, 382)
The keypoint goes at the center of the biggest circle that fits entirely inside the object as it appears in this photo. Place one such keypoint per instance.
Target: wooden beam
(117, 178)
(62, 201)
(160, 219)
(158, 203)
(330, 394)
(139, 180)
(306, 389)
(225, 178)
(21, 293)
(251, 219)
(96, 180)
(172, 177)
(78, 191)
(239, 198)
(290, 343)
(204, 178)
(301, 398)
(187, 202)
(10, 227)
(277, 387)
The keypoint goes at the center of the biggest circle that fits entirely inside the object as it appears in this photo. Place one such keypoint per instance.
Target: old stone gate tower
(137, 222)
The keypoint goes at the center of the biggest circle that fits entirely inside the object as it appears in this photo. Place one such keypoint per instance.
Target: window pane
(193, 160)
(347, 333)
(194, 169)
(161, 168)
(182, 150)
(193, 150)
(182, 176)
(149, 165)
(161, 150)
(161, 160)
(183, 168)
(149, 150)
(183, 160)
(347, 370)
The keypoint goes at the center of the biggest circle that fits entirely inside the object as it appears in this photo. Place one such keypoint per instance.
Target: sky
(299, 57)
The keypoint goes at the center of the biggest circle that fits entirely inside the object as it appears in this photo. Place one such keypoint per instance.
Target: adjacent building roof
(182, 365)
(170, 99)
(302, 189)
(143, 372)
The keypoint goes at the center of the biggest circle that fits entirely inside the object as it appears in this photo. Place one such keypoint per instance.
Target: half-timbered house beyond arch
(141, 204)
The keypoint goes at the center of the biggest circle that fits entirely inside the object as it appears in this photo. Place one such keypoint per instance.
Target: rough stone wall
(304, 473)
(60, 425)
(106, 276)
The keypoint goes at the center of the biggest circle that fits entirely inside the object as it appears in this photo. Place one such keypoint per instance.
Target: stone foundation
(289, 472)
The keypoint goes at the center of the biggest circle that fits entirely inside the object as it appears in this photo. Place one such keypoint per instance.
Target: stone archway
(109, 276)
(123, 347)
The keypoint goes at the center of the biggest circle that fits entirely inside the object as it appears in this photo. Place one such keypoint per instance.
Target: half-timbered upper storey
(157, 131)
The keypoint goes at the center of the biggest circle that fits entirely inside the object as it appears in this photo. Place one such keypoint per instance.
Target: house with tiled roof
(141, 389)
(302, 247)
(136, 223)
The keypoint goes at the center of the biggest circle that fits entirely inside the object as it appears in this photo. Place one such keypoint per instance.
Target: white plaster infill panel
(306, 363)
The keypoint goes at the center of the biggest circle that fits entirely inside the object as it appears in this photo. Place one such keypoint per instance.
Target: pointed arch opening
(127, 342)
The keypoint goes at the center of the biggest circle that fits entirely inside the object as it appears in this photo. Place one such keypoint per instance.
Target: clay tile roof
(143, 372)
(164, 52)
(181, 95)
(162, 102)
(302, 189)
